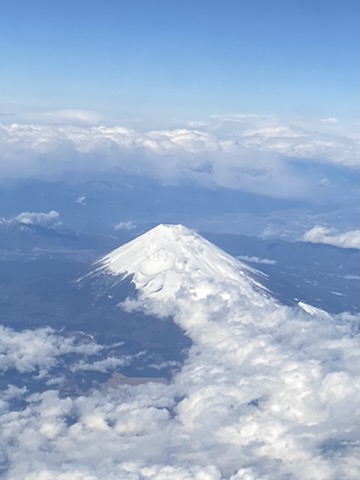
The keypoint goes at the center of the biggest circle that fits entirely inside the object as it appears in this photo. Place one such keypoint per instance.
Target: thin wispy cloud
(127, 226)
(60, 117)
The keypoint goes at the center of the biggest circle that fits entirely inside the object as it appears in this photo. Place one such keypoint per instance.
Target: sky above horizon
(255, 97)
(162, 62)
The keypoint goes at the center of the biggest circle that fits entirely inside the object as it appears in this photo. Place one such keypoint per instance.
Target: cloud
(81, 200)
(38, 218)
(254, 153)
(31, 350)
(54, 356)
(330, 120)
(61, 117)
(324, 141)
(103, 366)
(329, 236)
(266, 392)
(129, 225)
(254, 259)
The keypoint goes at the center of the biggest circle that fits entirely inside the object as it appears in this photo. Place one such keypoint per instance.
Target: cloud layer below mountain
(266, 392)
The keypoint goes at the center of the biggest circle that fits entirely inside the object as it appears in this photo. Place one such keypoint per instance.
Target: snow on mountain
(266, 392)
(171, 259)
(313, 311)
(260, 383)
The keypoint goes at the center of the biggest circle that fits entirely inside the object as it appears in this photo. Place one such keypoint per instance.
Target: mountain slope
(171, 258)
(266, 391)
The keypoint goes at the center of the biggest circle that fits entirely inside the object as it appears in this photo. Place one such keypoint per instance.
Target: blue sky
(256, 97)
(163, 60)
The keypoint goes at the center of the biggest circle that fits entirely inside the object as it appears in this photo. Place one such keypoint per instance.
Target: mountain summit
(170, 258)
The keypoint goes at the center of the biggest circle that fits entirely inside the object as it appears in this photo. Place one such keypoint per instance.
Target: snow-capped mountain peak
(169, 258)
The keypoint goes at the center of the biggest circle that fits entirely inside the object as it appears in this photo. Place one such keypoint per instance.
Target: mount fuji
(259, 385)
(170, 261)
(261, 390)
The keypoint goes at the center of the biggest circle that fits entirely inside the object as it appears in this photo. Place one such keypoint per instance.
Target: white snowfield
(314, 311)
(171, 258)
(267, 392)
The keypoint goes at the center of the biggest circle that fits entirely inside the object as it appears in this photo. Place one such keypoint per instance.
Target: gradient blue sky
(181, 59)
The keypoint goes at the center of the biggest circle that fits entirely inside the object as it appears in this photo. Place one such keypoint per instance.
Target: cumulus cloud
(30, 350)
(257, 394)
(38, 218)
(329, 236)
(41, 350)
(325, 141)
(266, 392)
(246, 152)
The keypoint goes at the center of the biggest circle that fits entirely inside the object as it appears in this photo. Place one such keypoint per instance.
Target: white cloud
(254, 259)
(103, 366)
(38, 218)
(329, 236)
(279, 131)
(81, 200)
(323, 141)
(39, 351)
(128, 225)
(330, 120)
(266, 392)
(324, 182)
(62, 117)
(29, 350)
(247, 152)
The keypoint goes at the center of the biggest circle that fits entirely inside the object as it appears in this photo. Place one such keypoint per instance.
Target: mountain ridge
(169, 258)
